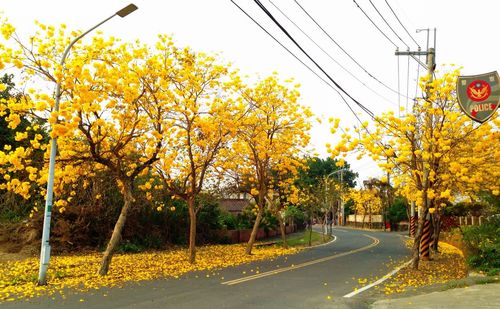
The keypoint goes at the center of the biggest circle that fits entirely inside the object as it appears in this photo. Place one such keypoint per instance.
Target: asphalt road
(315, 278)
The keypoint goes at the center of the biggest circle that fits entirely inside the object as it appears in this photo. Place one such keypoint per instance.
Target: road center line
(379, 281)
(309, 263)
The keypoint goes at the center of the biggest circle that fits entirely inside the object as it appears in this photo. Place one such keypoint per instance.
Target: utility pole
(342, 218)
(430, 66)
(341, 171)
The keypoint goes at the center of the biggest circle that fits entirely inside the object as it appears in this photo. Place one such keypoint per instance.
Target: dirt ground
(16, 243)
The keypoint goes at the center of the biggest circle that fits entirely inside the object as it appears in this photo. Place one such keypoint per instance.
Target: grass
(470, 281)
(487, 280)
(302, 239)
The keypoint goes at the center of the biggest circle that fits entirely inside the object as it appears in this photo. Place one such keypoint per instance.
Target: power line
(364, 108)
(343, 50)
(401, 23)
(263, 8)
(373, 23)
(383, 147)
(378, 12)
(297, 58)
(277, 41)
(327, 54)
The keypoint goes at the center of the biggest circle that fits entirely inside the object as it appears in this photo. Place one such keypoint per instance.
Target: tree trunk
(408, 215)
(323, 228)
(418, 238)
(192, 230)
(437, 231)
(310, 231)
(117, 231)
(255, 228)
(283, 231)
(416, 244)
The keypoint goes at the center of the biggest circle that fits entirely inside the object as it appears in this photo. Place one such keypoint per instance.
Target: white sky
(467, 35)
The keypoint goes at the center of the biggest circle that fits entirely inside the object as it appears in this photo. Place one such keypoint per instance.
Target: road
(315, 278)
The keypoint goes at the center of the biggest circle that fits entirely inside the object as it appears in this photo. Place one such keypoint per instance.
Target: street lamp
(45, 247)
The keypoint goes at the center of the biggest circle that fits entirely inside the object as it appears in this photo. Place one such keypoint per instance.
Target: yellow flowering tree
(366, 202)
(112, 110)
(204, 116)
(270, 136)
(434, 152)
(310, 199)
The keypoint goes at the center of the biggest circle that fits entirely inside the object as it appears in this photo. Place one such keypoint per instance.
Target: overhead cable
(263, 8)
(397, 18)
(345, 52)
(388, 25)
(329, 55)
(375, 25)
(295, 56)
(383, 147)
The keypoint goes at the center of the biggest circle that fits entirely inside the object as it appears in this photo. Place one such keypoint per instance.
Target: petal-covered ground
(79, 272)
(446, 265)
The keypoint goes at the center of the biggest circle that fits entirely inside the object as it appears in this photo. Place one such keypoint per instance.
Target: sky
(467, 35)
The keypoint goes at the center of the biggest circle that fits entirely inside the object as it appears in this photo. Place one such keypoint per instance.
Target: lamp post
(45, 247)
(341, 171)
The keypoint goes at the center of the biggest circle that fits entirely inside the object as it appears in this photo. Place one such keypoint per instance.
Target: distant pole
(45, 247)
(341, 171)
(342, 218)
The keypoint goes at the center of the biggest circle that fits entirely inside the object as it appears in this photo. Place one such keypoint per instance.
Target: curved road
(315, 278)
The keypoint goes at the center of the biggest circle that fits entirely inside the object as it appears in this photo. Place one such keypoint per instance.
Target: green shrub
(397, 211)
(228, 221)
(129, 247)
(483, 244)
(296, 214)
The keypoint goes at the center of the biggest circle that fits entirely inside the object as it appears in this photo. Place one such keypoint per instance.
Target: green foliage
(228, 221)
(7, 135)
(129, 247)
(318, 168)
(492, 201)
(483, 244)
(269, 221)
(349, 207)
(16, 209)
(295, 214)
(397, 211)
(465, 209)
(208, 221)
(246, 219)
(88, 221)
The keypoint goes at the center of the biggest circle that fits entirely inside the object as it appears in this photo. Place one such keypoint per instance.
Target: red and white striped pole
(413, 220)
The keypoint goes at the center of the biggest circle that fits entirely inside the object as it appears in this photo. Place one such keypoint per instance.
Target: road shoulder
(477, 296)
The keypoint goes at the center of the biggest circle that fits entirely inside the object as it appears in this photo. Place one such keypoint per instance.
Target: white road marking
(379, 281)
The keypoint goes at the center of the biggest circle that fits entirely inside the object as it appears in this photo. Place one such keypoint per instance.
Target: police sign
(479, 95)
